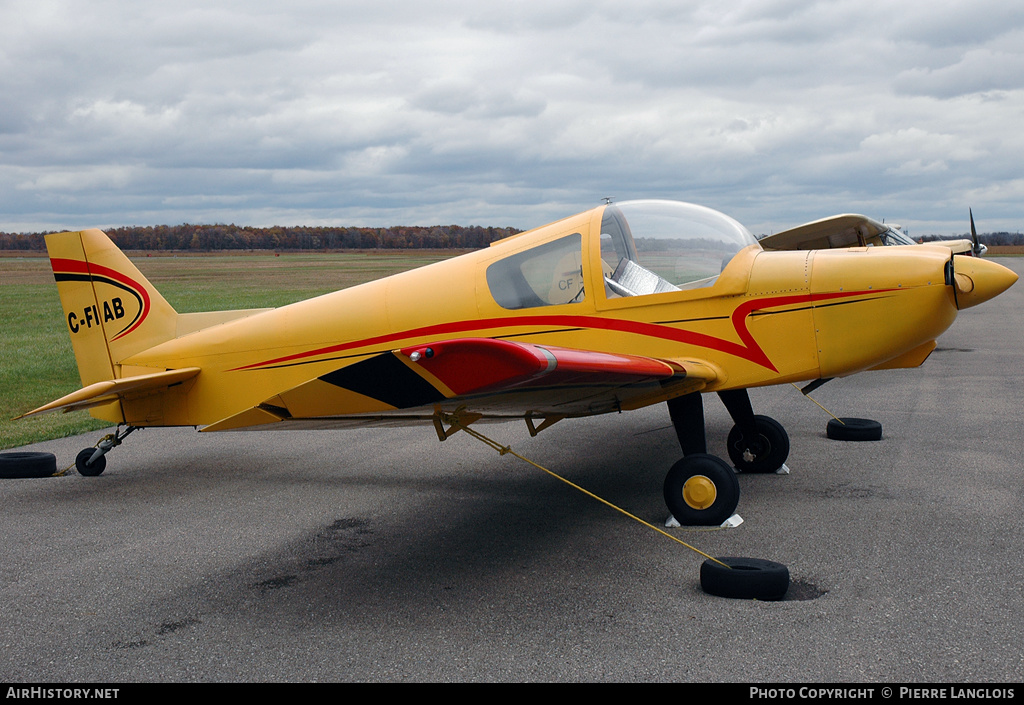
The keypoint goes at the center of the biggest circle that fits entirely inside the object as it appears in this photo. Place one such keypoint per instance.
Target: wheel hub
(756, 449)
(699, 492)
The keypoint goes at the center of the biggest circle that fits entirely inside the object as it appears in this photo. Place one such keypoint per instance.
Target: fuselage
(767, 318)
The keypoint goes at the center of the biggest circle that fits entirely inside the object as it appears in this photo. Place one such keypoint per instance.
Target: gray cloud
(398, 112)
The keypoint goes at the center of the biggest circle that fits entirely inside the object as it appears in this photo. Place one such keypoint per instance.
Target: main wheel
(701, 490)
(766, 453)
(745, 578)
(88, 469)
(27, 464)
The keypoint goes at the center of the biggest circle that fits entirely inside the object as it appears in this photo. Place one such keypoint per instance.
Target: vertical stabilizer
(110, 309)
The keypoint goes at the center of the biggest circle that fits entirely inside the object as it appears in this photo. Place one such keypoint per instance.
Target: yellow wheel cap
(699, 492)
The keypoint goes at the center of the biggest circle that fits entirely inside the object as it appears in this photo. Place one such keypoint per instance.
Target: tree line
(236, 237)
(997, 239)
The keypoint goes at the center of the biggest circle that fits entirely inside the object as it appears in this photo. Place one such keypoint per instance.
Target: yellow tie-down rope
(453, 421)
(819, 405)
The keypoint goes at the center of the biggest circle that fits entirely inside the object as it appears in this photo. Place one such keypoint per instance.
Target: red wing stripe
(476, 365)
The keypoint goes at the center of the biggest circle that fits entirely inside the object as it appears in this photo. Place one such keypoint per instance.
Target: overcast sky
(310, 112)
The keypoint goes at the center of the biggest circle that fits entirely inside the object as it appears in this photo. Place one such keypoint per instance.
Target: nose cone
(977, 280)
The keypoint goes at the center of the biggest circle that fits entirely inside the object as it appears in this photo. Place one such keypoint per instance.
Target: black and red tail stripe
(75, 270)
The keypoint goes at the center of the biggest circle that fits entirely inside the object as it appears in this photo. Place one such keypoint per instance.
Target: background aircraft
(613, 309)
(851, 230)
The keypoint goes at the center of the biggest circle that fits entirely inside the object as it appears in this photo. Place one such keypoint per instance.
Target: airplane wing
(480, 378)
(846, 230)
(850, 230)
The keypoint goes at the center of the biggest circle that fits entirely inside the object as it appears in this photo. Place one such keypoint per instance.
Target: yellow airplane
(623, 306)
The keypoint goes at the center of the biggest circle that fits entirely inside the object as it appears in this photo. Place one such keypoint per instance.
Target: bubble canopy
(655, 246)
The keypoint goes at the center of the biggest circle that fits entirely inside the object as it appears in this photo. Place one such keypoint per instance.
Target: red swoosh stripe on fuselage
(748, 350)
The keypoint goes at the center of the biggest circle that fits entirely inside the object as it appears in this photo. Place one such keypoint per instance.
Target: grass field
(36, 361)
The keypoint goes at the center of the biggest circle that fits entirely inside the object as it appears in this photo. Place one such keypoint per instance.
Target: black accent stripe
(71, 277)
(92, 278)
(692, 320)
(387, 379)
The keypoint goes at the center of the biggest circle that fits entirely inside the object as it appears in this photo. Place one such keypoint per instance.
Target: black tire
(90, 469)
(769, 451)
(854, 430)
(710, 498)
(27, 464)
(745, 579)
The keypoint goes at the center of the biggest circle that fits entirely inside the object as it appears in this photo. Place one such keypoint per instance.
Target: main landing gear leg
(701, 489)
(91, 461)
(687, 414)
(756, 443)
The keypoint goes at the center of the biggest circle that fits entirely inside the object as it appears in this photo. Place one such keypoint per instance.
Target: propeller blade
(979, 249)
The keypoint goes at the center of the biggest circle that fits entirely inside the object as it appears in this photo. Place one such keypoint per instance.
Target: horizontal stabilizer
(107, 391)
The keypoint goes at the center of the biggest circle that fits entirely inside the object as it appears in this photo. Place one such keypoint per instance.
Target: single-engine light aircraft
(620, 307)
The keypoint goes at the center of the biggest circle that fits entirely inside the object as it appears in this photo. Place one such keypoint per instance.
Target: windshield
(895, 237)
(648, 247)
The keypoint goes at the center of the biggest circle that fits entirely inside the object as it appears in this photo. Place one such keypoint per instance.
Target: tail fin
(111, 310)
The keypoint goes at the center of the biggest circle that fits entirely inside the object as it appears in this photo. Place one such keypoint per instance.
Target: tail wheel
(88, 469)
(701, 490)
(766, 453)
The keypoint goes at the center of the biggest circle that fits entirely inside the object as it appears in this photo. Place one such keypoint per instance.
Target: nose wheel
(763, 451)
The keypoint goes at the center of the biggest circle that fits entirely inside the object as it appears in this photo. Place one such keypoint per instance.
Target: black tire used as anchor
(846, 429)
(22, 464)
(745, 579)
